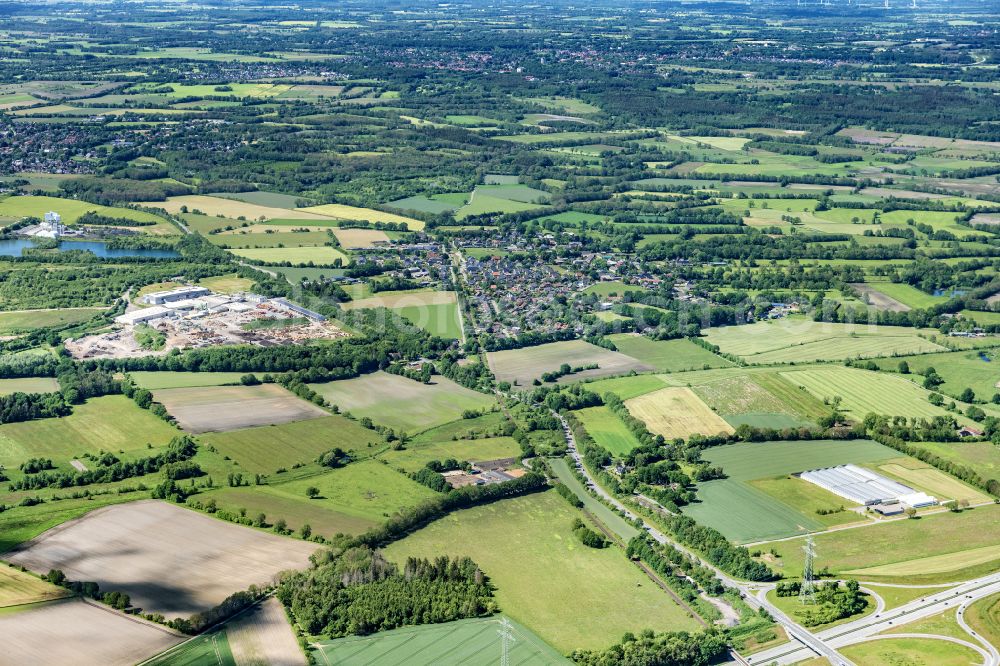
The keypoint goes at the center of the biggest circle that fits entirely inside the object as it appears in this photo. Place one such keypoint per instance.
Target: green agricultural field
(265, 449)
(282, 239)
(630, 386)
(22, 321)
(459, 643)
(747, 512)
(667, 355)
(907, 295)
(87, 430)
(481, 204)
(513, 192)
(28, 385)
(209, 649)
(545, 578)
(607, 430)
(271, 199)
(521, 366)
(564, 104)
(343, 212)
(165, 380)
(414, 406)
(417, 454)
(423, 204)
(865, 391)
(17, 207)
(295, 255)
(900, 542)
(801, 340)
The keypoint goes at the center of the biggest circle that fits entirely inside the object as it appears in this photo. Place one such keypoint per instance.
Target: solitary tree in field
(910, 512)
(312, 492)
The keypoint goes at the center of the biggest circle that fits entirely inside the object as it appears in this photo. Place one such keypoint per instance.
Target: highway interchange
(805, 644)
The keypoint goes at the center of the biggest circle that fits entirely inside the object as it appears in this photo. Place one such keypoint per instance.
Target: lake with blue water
(15, 248)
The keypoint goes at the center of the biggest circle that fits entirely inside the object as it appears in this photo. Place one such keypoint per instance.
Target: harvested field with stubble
(528, 363)
(80, 633)
(224, 408)
(352, 239)
(676, 412)
(18, 587)
(168, 559)
(262, 635)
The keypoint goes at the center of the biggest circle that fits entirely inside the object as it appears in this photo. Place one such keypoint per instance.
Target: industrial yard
(193, 317)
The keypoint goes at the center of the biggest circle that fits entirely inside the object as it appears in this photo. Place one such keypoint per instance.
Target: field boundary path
(809, 641)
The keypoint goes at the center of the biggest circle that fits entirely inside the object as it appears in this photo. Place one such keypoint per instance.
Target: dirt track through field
(168, 559)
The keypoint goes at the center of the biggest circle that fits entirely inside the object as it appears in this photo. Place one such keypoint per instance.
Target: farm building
(171, 295)
(863, 486)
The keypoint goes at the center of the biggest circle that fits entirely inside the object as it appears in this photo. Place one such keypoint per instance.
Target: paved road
(802, 638)
(937, 601)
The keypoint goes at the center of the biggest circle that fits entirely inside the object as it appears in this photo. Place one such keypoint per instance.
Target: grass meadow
(977, 370)
(904, 543)
(569, 594)
(910, 651)
(28, 385)
(864, 391)
(801, 340)
(21, 321)
(667, 355)
(415, 406)
(417, 454)
(265, 449)
(87, 430)
(17, 207)
(607, 429)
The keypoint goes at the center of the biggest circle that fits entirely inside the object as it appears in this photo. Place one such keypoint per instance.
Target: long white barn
(864, 486)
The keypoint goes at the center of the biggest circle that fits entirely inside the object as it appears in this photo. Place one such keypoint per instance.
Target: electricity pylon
(807, 593)
(506, 632)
